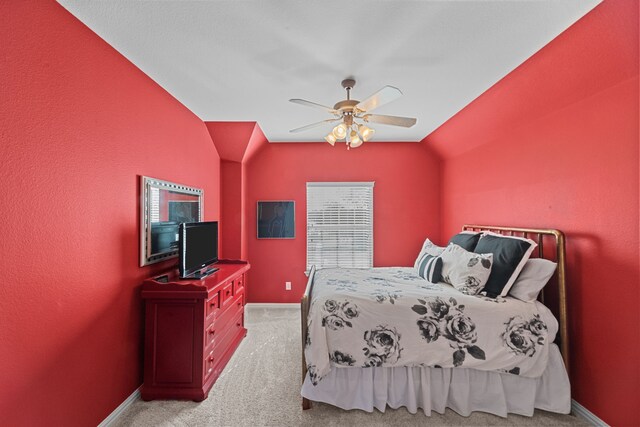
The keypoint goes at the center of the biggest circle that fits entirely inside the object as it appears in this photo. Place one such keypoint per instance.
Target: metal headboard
(538, 235)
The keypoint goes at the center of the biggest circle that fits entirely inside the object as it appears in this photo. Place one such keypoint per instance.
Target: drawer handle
(239, 303)
(228, 291)
(211, 359)
(239, 324)
(212, 331)
(213, 304)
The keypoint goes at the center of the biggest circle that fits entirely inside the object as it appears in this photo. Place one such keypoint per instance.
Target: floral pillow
(468, 272)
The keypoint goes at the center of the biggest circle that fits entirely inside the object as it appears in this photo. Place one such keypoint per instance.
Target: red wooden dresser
(192, 327)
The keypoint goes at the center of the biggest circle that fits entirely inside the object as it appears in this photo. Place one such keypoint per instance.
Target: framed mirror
(163, 206)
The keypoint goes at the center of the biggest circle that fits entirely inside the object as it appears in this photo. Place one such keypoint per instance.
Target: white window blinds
(154, 204)
(339, 224)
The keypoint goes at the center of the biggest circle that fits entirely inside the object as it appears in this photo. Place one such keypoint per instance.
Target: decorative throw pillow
(466, 271)
(430, 267)
(467, 240)
(534, 276)
(510, 253)
(428, 248)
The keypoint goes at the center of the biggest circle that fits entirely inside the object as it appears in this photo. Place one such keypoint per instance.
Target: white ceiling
(243, 60)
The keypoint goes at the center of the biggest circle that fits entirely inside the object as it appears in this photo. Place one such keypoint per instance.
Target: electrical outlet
(287, 286)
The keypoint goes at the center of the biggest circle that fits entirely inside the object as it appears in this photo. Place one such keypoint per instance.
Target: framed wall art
(163, 206)
(276, 219)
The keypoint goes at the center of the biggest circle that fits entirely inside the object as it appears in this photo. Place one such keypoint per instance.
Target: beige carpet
(261, 387)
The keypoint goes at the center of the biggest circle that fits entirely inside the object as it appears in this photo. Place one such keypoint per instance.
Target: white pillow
(468, 272)
(428, 248)
(534, 276)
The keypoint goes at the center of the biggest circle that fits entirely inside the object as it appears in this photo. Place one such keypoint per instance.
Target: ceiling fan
(350, 112)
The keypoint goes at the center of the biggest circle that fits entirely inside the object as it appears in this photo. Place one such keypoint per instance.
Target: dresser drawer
(213, 304)
(234, 326)
(238, 323)
(210, 335)
(226, 294)
(220, 348)
(209, 364)
(222, 321)
(238, 293)
(240, 282)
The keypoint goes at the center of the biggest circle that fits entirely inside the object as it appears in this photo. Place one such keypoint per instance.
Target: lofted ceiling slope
(236, 141)
(243, 60)
(577, 65)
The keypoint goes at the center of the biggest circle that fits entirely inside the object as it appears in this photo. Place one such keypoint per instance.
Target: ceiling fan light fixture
(355, 140)
(350, 114)
(330, 138)
(340, 131)
(366, 132)
(356, 144)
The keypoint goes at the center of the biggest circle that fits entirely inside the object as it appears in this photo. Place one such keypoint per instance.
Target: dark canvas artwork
(183, 211)
(276, 220)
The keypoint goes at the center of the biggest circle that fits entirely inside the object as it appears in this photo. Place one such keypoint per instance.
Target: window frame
(342, 184)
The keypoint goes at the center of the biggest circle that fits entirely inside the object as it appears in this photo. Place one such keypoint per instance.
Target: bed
(384, 337)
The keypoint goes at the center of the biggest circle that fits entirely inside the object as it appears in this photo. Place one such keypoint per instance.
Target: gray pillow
(534, 276)
(467, 240)
(510, 253)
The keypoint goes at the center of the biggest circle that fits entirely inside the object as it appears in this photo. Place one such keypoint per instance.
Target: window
(339, 224)
(154, 204)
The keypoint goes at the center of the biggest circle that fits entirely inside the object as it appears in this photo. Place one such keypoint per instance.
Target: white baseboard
(273, 304)
(582, 412)
(120, 409)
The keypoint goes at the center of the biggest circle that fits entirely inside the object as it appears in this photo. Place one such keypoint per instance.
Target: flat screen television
(198, 249)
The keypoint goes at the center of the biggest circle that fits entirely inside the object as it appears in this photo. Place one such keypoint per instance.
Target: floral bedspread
(392, 317)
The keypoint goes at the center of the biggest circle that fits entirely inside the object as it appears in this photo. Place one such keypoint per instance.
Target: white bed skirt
(434, 389)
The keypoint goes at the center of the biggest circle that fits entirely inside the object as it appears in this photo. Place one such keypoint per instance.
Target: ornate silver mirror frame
(163, 206)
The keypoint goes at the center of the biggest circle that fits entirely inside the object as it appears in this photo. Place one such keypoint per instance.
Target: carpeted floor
(261, 387)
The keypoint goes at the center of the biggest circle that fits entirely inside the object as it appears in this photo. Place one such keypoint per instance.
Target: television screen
(198, 246)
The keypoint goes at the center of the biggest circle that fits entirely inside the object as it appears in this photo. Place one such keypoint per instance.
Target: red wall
(231, 210)
(236, 143)
(406, 198)
(78, 124)
(555, 144)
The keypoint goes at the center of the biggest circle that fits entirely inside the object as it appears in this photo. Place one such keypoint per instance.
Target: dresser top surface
(170, 280)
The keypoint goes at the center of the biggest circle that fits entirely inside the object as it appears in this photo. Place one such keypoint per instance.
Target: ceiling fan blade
(381, 97)
(314, 105)
(313, 125)
(406, 122)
